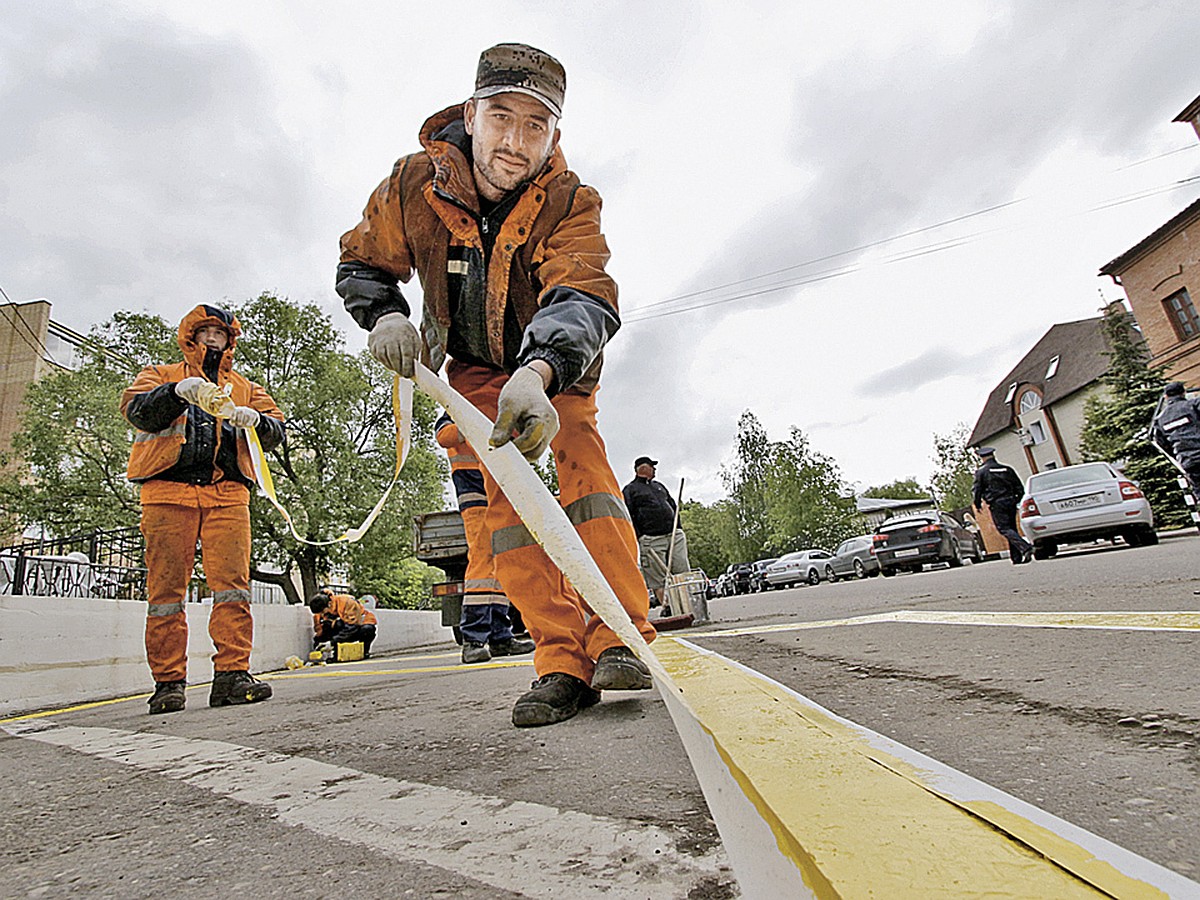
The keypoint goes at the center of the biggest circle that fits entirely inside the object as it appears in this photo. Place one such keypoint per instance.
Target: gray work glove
(394, 342)
(524, 407)
(244, 417)
(188, 390)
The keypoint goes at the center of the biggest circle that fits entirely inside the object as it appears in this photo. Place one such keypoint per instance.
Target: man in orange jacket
(341, 619)
(509, 251)
(193, 465)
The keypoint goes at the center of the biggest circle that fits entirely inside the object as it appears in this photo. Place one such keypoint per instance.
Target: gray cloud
(145, 166)
(894, 143)
(931, 366)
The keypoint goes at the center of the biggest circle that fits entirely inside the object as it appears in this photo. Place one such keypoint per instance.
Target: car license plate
(1078, 502)
(910, 552)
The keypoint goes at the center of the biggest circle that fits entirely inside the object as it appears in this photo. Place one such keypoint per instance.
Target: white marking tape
(528, 848)
(876, 818)
(766, 871)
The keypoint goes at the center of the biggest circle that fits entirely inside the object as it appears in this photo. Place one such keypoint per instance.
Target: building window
(1030, 400)
(1012, 390)
(1182, 314)
(1052, 368)
(1037, 432)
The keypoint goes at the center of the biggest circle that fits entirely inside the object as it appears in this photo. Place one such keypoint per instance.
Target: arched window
(1030, 400)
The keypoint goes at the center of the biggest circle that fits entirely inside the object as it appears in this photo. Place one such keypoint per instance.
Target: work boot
(553, 698)
(168, 697)
(475, 653)
(232, 688)
(512, 647)
(618, 669)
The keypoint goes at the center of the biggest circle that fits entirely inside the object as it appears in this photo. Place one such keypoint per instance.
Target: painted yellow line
(330, 672)
(69, 709)
(1185, 620)
(859, 822)
(308, 672)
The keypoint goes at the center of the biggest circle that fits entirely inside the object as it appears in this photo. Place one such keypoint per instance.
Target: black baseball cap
(644, 460)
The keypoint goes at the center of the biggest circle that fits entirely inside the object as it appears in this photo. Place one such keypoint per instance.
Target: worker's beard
(501, 178)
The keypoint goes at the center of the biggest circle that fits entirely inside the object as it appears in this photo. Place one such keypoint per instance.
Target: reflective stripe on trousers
(567, 635)
(171, 532)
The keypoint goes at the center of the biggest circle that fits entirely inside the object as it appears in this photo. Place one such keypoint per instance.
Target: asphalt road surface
(403, 777)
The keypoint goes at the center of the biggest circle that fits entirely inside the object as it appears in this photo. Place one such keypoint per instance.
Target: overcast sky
(849, 218)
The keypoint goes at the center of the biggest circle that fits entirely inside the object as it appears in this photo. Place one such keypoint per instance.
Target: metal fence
(101, 564)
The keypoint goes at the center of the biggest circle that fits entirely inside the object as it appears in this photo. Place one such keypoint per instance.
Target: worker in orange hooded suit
(195, 474)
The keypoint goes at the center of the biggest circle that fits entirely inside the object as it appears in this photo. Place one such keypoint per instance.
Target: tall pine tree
(1116, 422)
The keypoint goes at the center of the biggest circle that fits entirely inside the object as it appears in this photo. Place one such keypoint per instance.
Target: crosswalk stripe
(529, 848)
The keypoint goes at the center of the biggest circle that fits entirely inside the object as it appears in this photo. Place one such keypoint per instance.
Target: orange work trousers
(568, 635)
(171, 532)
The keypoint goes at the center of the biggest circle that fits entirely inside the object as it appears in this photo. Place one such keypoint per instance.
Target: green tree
(783, 496)
(902, 489)
(704, 526)
(810, 506)
(68, 471)
(953, 478)
(339, 455)
(746, 531)
(1116, 421)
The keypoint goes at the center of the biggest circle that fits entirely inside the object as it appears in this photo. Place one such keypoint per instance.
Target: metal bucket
(686, 594)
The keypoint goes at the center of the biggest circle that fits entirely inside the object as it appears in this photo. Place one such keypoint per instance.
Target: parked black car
(736, 580)
(906, 543)
(756, 574)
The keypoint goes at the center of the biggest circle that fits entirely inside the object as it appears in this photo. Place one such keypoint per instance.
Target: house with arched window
(1034, 416)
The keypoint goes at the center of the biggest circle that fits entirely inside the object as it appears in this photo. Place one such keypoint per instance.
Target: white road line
(1178, 620)
(529, 848)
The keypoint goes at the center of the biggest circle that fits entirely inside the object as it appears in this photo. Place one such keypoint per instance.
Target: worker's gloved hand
(394, 342)
(523, 407)
(244, 417)
(188, 390)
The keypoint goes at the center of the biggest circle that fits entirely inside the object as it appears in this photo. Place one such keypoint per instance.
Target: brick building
(31, 344)
(1161, 278)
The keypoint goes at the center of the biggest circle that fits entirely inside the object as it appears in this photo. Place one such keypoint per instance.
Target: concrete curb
(56, 651)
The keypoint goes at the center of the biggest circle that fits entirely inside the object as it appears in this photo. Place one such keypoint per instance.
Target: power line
(39, 349)
(643, 312)
(951, 243)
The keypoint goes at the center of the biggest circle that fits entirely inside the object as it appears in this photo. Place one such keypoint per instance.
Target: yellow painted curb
(860, 822)
(329, 672)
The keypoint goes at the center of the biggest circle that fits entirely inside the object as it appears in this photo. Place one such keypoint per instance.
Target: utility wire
(646, 313)
(642, 313)
(43, 352)
(39, 349)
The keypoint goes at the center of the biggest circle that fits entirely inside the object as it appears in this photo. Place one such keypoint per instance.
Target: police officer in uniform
(1001, 487)
(1177, 428)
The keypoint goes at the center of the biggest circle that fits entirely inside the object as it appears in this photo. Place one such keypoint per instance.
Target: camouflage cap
(520, 68)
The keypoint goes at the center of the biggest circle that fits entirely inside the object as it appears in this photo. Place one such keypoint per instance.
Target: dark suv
(737, 579)
(756, 574)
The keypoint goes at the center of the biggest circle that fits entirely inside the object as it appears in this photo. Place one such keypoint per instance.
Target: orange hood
(207, 315)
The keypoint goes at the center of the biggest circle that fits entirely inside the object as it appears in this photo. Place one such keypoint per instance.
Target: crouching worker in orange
(195, 475)
(485, 625)
(341, 619)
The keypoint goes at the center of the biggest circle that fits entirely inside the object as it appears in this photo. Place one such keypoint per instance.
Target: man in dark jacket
(192, 462)
(656, 523)
(1177, 429)
(1001, 487)
(508, 248)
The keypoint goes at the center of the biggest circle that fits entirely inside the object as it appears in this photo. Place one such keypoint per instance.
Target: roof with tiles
(1082, 352)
